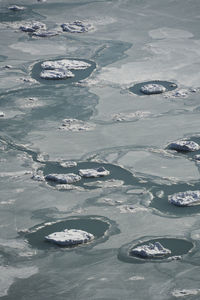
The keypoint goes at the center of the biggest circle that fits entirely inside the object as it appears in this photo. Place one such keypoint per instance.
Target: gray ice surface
(63, 178)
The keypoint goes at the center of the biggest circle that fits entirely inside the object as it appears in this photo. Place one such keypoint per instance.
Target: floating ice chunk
(188, 198)
(101, 171)
(121, 117)
(152, 88)
(45, 33)
(76, 27)
(70, 237)
(63, 178)
(32, 27)
(184, 292)
(68, 164)
(56, 74)
(65, 64)
(2, 114)
(112, 183)
(16, 8)
(182, 145)
(197, 157)
(151, 250)
(76, 125)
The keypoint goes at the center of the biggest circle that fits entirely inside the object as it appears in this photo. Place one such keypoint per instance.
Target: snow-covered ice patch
(184, 145)
(32, 26)
(56, 74)
(185, 292)
(68, 64)
(68, 164)
(153, 88)
(151, 250)
(70, 237)
(188, 198)
(98, 172)
(76, 27)
(63, 178)
(76, 125)
(128, 117)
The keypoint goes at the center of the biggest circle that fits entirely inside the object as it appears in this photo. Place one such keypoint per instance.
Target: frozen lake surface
(99, 118)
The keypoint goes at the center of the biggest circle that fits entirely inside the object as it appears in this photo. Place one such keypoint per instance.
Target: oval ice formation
(184, 146)
(68, 164)
(151, 250)
(70, 237)
(152, 88)
(56, 74)
(188, 198)
(101, 171)
(76, 27)
(63, 178)
(16, 8)
(65, 64)
(32, 27)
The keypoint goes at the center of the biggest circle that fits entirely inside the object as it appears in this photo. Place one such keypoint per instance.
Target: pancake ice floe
(76, 27)
(70, 237)
(188, 198)
(68, 64)
(56, 74)
(99, 172)
(182, 145)
(150, 89)
(151, 250)
(63, 178)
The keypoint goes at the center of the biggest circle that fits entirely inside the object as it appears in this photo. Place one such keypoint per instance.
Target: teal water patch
(178, 247)
(79, 74)
(7, 15)
(100, 227)
(136, 89)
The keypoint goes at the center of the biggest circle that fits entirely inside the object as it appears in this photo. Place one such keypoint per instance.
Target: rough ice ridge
(121, 117)
(45, 33)
(152, 88)
(70, 237)
(56, 74)
(16, 8)
(32, 27)
(76, 27)
(76, 125)
(63, 178)
(151, 250)
(185, 198)
(101, 171)
(182, 145)
(65, 64)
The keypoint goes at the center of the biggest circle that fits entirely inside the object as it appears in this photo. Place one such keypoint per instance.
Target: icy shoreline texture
(63, 178)
(69, 237)
(150, 251)
(184, 146)
(188, 198)
(99, 172)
